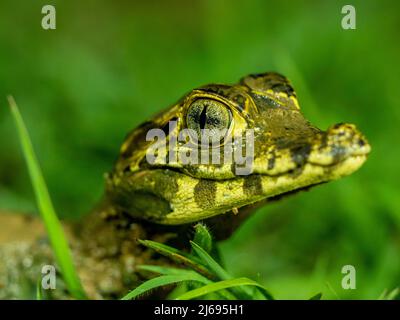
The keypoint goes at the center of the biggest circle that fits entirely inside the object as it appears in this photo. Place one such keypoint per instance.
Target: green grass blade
(166, 250)
(178, 256)
(203, 237)
(176, 271)
(162, 281)
(46, 209)
(392, 295)
(216, 286)
(318, 296)
(162, 270)
(210, 262)
(383, 295)
(39, 293)
(220, 272)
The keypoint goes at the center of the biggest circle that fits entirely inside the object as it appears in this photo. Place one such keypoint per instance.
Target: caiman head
(273, 151)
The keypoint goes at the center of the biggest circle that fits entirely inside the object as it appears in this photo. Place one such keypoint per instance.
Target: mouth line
(335, 163)
(360, 156)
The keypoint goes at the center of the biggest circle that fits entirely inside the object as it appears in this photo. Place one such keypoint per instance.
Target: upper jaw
(326, 149)
(330, 148)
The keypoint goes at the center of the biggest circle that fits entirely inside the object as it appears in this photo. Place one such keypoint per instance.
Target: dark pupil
(203, 117)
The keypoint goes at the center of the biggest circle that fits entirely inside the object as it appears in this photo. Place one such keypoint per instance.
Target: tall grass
(53, 226)
(202, 274)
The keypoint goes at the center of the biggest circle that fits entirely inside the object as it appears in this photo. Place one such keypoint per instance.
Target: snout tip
(346, 138)
(340, 142)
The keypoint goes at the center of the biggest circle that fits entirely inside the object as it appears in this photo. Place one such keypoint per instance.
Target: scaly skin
(160, 200)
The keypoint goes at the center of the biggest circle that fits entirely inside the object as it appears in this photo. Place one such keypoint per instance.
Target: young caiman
(159, 200)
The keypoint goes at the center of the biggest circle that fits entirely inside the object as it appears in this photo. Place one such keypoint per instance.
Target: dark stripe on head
(271, 161)
(300, 154)
(205, 192)
(252, 185)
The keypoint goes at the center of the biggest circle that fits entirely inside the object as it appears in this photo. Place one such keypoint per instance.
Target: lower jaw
(344, 167)
(310, 175)
(270, 187)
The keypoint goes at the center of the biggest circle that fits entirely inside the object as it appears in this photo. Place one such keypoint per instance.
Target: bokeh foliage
(110, 65)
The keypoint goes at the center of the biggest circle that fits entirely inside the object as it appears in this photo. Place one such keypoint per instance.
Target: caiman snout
(338, 143)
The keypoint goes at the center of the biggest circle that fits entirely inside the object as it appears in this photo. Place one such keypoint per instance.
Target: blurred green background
(110, 65)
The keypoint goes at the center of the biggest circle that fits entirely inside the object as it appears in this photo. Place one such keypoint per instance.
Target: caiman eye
(206, 116)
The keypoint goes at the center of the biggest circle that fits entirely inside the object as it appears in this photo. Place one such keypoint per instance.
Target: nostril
(352, 139)
(345, 139)
(338, 125)
(343, 132)
(342, 127)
